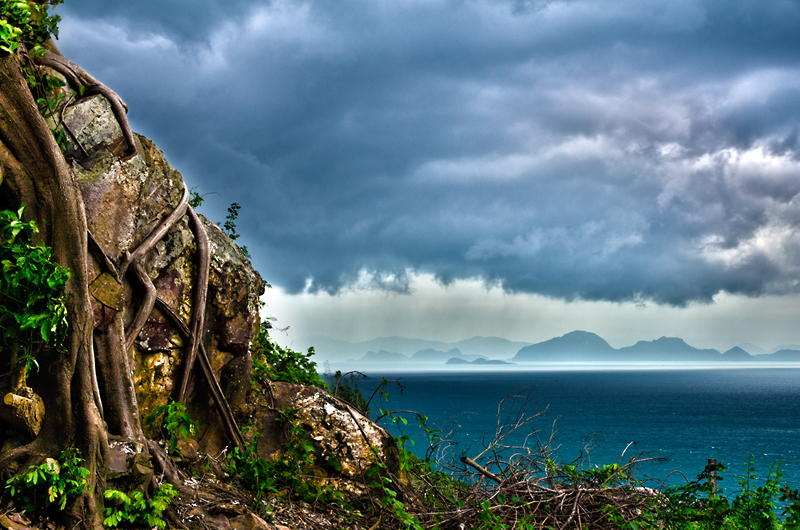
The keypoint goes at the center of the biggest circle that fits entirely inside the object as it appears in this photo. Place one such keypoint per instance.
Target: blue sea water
(685, 416)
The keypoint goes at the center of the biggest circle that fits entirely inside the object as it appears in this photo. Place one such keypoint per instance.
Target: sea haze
(574, 348)
(686, 416)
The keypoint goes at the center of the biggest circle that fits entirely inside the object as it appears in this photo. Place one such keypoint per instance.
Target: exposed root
(15, 455)
(222, 403)
(78, 77)
(216, 392)
(199, 307)
(165, 465)
(158, 233)
(148, 301)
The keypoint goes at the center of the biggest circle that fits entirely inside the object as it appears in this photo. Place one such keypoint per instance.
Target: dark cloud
(621, 150)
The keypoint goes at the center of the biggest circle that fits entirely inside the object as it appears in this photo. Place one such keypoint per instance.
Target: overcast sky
(449, 168)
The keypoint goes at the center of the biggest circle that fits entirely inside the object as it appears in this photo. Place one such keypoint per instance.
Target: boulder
(125, 200)
(334, 428)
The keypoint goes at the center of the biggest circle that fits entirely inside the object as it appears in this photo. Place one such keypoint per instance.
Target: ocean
(685, 416)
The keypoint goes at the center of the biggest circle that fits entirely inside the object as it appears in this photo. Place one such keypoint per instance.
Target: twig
(485, 472)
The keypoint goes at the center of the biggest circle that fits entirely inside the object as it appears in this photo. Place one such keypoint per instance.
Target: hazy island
(577, 347)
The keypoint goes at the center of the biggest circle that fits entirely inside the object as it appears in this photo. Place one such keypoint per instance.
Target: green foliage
(230, 221)
(50, 485)
(293, 471)
(195, 199)
(27, 22)
(345, 387)
(14, 19)
(487, 519)
(230, 225)
(50, 98)
(30, 23)
(272, 362)
(32, 310)
(697, 505)
(609, 475)
(177, 423)
(135, 510)
(754, 507)
(382, 483)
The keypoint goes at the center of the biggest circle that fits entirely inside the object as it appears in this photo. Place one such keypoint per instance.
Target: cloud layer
(618, 150)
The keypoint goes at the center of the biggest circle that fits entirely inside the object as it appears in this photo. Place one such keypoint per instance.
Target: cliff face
(125, 200)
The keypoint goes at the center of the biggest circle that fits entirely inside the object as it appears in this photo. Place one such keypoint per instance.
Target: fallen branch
(485, 472)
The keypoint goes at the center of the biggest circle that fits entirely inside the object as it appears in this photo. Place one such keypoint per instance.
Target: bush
(137, 511)
(32, 310)
(49, 486)
(345, 387)
(272, 362)
(292, 469)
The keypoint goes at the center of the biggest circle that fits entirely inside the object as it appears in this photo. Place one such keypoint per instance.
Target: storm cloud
(581, 149)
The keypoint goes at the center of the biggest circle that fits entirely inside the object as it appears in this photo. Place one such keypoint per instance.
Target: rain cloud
(618, 151)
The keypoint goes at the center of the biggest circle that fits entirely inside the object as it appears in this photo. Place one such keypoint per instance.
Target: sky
(448, 168)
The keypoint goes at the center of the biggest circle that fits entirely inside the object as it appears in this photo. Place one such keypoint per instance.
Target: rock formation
(152, 295)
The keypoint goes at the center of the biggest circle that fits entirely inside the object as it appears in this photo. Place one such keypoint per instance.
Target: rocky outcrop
(336, 430)
(125, 200)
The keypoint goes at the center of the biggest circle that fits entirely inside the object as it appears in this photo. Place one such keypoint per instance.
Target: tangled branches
(515, 482)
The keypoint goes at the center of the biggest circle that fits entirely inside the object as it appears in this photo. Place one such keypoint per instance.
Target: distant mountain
(671, 348)
(338, 350)
(383, 356)
(457, 360)
(578, 346)
(574, 347)
(335, 350)
(782, 347)
(737, 354)
(582, 347)
(752, 349)
(435, 356)
(781, 356)
(480, 361)
(493, 347)
(483, 361)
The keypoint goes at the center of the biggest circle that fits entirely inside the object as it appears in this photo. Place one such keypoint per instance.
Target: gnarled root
(78, 77)
(199, 308)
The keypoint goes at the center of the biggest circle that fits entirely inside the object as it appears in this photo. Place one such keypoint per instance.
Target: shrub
(272, 362)
(137, 511)
(32, 310)
(177, 423)
(50, 485)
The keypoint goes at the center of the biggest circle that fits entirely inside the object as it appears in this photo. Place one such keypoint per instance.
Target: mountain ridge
(574, 347)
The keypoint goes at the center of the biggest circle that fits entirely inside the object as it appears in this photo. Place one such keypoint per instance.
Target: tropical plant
(32, 309)
(136, 510)
(272, 362)
(50, 485)
(177, 423)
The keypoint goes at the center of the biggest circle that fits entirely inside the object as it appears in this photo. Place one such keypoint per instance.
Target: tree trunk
(35, 173)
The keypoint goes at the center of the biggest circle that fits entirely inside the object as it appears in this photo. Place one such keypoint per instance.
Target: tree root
(145, 309)
(133, 259)
(78, 77)
(16, 454)
(158, 233)
(199, 309)
(222, 404)
(165, 464)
